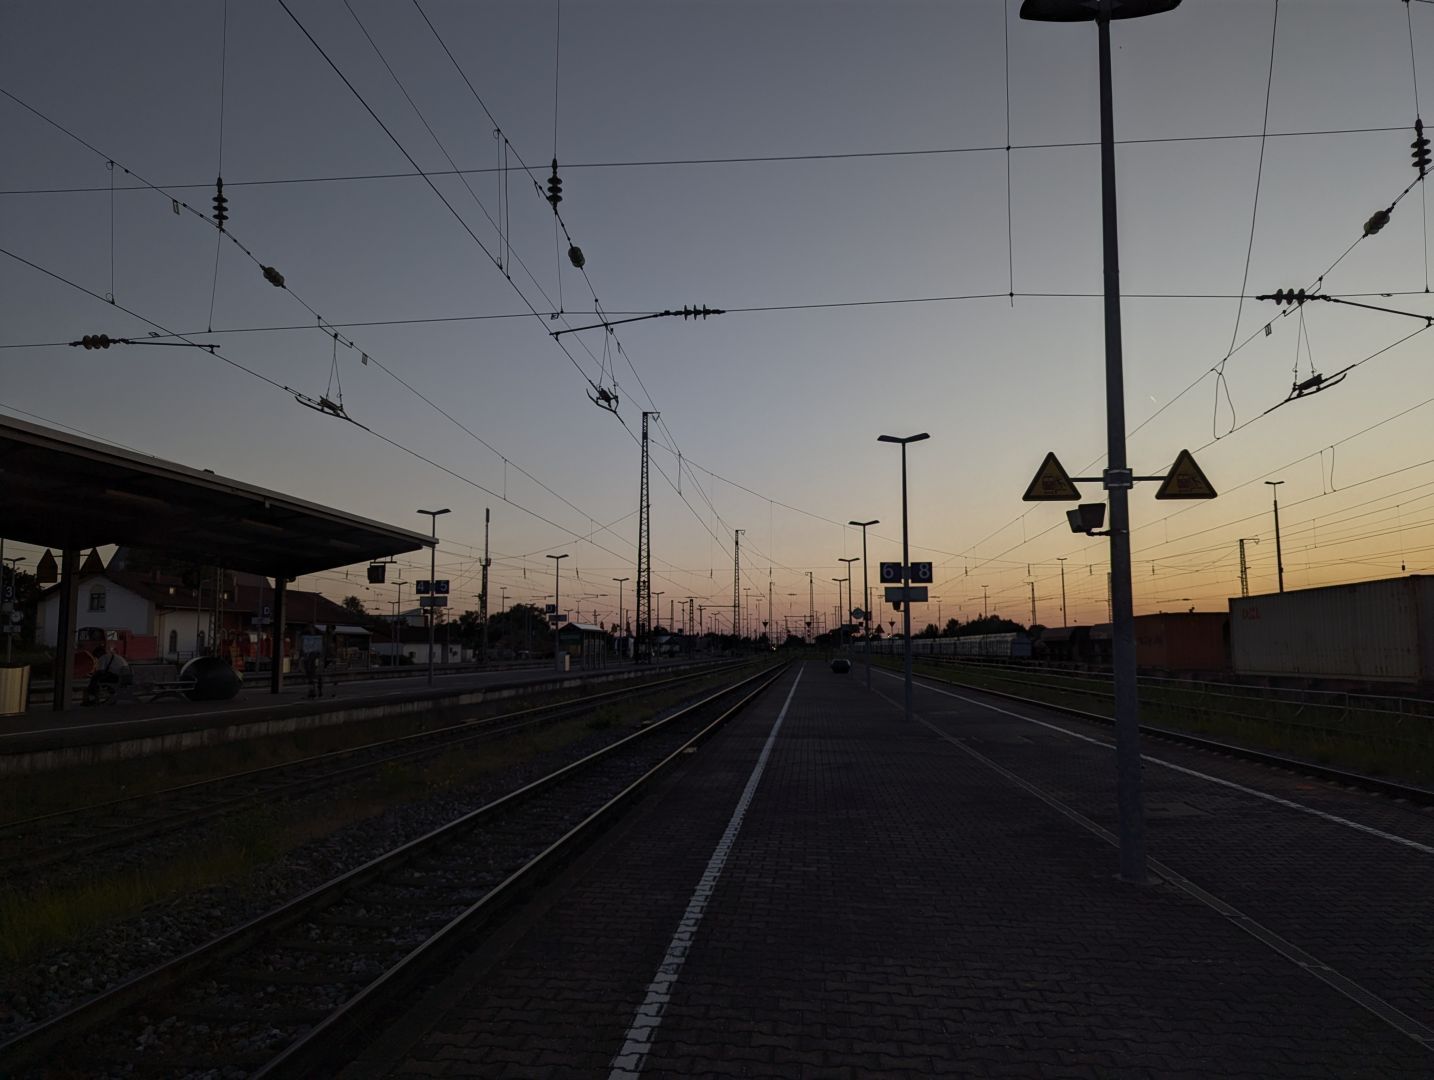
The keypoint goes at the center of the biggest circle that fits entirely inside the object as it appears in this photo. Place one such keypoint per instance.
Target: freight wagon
(1368, 632)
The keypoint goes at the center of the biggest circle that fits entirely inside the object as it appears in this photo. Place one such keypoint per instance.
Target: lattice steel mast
(737, 581)
(641, 651)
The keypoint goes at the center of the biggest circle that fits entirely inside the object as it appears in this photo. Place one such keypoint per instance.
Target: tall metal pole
(1062, 560)
(483, 596)
(811, 609)
(557, 611)
(621, 625)
(1244, 571)
(644, 554)
(1279, 555)
(433, 516)
(866, 595)
(905, 556)
(1117, 483)
(906, 579)
(737, 581)
(1032, 584)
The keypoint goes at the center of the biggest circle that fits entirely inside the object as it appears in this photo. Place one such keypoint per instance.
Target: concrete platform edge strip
(628, 1062)
(1403, 1023)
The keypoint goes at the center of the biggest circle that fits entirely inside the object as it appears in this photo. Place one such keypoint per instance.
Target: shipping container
(1183, 641)
(1372, 631)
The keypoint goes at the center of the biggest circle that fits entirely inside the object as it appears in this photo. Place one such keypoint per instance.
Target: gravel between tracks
(67, 976)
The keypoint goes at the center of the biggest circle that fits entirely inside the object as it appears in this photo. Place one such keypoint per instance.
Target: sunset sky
(875, 188)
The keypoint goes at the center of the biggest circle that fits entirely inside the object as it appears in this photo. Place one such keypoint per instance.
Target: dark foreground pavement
(889, 905)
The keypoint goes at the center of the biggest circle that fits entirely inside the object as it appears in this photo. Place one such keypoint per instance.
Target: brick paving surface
(1357, 902)
(892, 907)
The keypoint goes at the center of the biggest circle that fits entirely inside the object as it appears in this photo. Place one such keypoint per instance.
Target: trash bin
(14, 688)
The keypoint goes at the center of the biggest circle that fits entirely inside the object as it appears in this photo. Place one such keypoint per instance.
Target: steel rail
(29, 1047)
(1413, 793)
(319, 1048)
(428, 742)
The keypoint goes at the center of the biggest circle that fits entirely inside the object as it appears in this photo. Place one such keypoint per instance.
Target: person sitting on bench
(111, 669)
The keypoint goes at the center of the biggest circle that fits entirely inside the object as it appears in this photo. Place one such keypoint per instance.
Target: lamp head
(1089, 10)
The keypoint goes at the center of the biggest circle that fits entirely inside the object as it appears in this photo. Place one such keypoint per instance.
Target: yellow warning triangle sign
(1051, 484)
(1185, 480)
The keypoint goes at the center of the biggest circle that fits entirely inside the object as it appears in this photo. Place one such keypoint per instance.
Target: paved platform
(831, 890)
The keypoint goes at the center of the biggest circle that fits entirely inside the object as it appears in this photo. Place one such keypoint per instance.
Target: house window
(97, 599)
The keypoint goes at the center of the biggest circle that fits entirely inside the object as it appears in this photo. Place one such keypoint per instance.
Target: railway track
(1394, 789)
(30, 845)
(291, 992)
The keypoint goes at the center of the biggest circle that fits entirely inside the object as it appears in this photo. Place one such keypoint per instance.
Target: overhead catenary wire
(339, 178)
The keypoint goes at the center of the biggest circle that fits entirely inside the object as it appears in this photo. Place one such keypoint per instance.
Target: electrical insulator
(1377, 221)
(96, 341)
(221, 204)
(702, 312)
(1420, 146)
(1290, 296)
(273, 277)
(555, 187)
(575, 256)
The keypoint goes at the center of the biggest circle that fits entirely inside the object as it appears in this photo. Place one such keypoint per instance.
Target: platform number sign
(890, 572)
(440, 587)
(921, 573)
(423, 587)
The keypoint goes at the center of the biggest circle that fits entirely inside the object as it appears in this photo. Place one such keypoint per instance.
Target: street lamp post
(850, 603)
(837, 625)
(866, 594)
(905, 553)
(1117, 476)
(433, 516)
(621, 625)
(557, 612)
(1279, 556)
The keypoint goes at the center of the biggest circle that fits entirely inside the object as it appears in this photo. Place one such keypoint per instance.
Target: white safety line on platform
(637, 1043)
(1393, 838)
(1402, 1022)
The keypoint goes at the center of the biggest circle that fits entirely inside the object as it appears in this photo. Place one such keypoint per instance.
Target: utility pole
(811, 610)
(737, 581)
(866, 594)
(1062, 560)
(985, 605)
(644, 554)
(1032, 584)
(1279, 556)
(483, 596)
(850, 603)
(771, 611)
(1244, 567)
(621, 626)
(557, 611)
(433, 516)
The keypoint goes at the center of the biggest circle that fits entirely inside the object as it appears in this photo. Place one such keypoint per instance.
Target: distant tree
(953, 627)
(355, 605)
(930, 631)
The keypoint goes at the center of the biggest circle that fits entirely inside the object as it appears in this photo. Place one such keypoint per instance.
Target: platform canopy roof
(65, 492)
